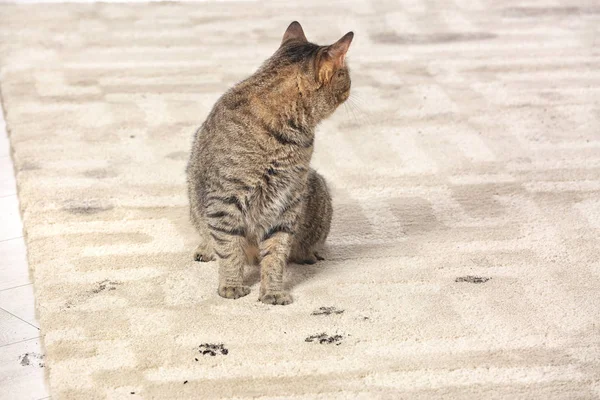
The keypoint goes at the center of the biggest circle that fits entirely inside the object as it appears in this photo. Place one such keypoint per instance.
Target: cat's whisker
(360, 116)
(356, 98)
(350, 113)
(347, 109)
(361, 105)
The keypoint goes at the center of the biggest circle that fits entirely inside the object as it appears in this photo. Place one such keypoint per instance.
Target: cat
(252, 193)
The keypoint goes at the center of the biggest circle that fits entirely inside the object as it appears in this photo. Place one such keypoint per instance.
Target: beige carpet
(464, 257)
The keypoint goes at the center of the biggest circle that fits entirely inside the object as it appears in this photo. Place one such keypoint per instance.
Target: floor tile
(10, 219)
(4, 144)
(13, 264)
(20, 302)
(22, 371)
(12, 329)
(8, 185)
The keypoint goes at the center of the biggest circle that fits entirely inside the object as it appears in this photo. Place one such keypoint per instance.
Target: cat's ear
(294, 32)
(333, 58)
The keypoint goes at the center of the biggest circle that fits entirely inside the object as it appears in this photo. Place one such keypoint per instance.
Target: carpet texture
(463, 260)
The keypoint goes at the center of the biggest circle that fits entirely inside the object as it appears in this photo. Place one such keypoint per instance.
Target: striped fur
(252, 192)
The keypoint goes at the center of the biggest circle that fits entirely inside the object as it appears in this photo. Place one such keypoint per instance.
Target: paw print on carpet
(327, 311)
(472, 279)
(209, 349)
(323, 338)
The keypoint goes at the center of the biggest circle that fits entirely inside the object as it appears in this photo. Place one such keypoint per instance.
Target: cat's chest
(277, 178)
(279, 184)
(288, 166)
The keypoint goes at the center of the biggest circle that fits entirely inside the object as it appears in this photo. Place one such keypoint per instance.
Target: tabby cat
(252, 193)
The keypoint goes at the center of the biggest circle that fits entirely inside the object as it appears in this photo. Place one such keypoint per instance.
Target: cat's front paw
(276, 298)
(233, 292)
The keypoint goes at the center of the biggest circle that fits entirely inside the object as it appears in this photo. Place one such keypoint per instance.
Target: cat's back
(228, 129)
(229, 116)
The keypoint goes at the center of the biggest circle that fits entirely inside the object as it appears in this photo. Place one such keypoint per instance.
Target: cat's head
(320, 73)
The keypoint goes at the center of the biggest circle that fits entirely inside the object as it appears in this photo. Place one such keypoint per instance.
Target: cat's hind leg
(314, 222)
(204, 252)
(301, 256)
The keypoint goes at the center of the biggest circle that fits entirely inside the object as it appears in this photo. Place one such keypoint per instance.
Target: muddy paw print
(472, 279)
(209, 349)
(32, 359)
(327, 311)
(323, 338)
(106, 285)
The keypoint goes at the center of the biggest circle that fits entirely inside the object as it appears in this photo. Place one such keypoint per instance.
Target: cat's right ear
(294, 32)
(333, 58)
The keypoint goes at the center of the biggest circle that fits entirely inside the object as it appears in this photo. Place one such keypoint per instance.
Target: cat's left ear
(294, 32)
(333, 58)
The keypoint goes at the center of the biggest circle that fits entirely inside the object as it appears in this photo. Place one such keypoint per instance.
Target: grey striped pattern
(471, 150)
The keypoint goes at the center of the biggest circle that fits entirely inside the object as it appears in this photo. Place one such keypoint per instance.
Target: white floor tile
(8, 185)
(14, 270)
(22, 371)
(4, 146)
(4, 143)
(12, 329)
(19, 378)
(10, 219)
(20, 302)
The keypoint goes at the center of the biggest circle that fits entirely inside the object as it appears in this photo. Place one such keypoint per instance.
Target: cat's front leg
(229, 250)
(274, 251)
(228, 247)
(225, 227)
